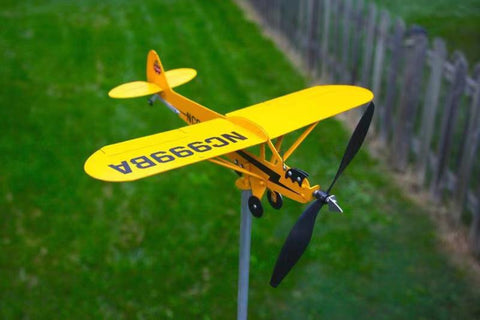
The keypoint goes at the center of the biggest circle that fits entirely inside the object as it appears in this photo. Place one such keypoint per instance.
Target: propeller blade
(356, 140)
(301, 233)
(296, 243)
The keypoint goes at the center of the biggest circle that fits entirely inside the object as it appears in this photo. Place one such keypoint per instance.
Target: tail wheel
(275, 199)
(255, 206)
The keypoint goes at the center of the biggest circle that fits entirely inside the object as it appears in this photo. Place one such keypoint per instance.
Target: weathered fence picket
(438, 56)
(358, 17)
(312, 45)
(393, 72)
(450, 113)
(471, 142)
(351, 41)
(368, 45)
(325, 39)
(415, 55)
(332, 49)
(346, 22)
(300, 35)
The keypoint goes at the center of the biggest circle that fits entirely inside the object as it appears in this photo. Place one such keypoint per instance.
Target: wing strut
(227, 164)
(276, 157)
(299, 141)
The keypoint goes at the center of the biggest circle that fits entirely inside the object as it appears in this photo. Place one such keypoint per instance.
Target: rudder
(155, 71)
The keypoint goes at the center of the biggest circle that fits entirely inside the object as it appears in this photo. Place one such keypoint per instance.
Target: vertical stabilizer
(155, 72)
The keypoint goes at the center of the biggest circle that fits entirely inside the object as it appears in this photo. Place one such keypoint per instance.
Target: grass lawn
(167, 247)
(457, 22)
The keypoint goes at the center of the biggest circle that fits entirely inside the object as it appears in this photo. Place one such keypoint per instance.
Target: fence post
(312, 36)
(475, 227)
(368, 46)
(290, 9)
(357, 32)
(281, 17)
(471, 142)
(415, 54)
(345, 49)
(335, 53)
(267, 13)
(318, 40)
(381, 44)
(391, 87)
(438, 55)
(325, 37)
(300, 37)
(449, 118)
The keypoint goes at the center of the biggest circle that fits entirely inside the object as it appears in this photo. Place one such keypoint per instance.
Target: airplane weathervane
(223, 140)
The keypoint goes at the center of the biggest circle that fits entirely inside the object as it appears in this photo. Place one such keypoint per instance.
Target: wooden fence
(428, 107)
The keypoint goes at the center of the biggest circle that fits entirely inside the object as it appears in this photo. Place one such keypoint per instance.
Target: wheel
(255, 206)
(275, 199)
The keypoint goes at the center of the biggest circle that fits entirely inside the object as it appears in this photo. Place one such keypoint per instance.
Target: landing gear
(255, 206)
(275, 199)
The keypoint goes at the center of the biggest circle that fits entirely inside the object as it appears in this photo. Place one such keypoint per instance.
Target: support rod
(244, 257)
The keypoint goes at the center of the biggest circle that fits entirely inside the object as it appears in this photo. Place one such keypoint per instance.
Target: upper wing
(146, 156)
(299, 109)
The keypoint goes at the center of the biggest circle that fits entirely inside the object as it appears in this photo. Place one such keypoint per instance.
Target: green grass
(167, 247)
(457, 22)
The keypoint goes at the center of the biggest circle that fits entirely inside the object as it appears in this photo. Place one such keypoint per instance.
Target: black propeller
(301, 233)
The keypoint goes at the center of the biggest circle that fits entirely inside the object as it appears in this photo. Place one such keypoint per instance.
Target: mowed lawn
(457, 22)
(166, 247)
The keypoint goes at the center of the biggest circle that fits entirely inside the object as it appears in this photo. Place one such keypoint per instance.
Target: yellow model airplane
(223, 140)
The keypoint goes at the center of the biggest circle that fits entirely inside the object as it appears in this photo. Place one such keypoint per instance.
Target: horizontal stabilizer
(175, 78)
(134, 89)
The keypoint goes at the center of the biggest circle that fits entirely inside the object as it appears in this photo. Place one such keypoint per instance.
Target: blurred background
(167, 247)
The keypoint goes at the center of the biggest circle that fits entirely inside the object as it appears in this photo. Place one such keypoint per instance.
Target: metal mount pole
(244, 257)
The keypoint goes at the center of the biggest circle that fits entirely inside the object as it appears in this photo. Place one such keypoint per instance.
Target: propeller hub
(328, 199)
(321, 195)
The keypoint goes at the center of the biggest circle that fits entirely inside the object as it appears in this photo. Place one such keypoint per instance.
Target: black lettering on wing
(122, 167)
(234, 136)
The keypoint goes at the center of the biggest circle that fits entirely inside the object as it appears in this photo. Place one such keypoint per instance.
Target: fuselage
(257, 172)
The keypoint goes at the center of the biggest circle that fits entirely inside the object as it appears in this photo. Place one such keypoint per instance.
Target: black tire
(255, 206)
(278, 202)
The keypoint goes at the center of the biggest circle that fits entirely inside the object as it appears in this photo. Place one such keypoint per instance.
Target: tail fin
(155, 72)
(158, 80)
